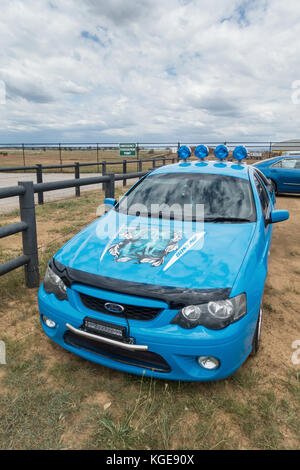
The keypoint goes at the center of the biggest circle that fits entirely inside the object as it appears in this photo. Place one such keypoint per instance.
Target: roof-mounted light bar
(201, 152)
(184, 152)
(221, 152)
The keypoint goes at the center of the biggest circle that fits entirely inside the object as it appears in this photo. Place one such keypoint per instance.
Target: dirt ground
(281, 323)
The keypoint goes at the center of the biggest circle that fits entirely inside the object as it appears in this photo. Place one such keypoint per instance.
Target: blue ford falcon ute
(169, 282)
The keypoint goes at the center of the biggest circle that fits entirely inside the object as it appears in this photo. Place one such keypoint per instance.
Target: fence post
(29, 237)
(39, 179)
(103, 174)
(164, 161)
(137, 154)
(98, 158)
(23, 151)
(77, 176)
(178, 147)
(140, 165)
(124, 171)
(153, 163)
(110, 186)
(60, 159)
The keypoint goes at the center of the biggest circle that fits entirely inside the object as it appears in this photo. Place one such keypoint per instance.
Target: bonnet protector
(175, 297)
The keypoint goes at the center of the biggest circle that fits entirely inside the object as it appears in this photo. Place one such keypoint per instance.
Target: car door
(265, 226)
(287, 175)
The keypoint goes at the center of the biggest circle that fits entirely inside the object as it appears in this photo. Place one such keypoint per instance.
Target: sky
(149, 70)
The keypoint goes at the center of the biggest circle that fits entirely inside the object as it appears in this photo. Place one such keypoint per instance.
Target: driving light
(184, 152)
(221, 152)
(50, 323)
(213, 315)
(201, 152)
(53, 284)
(209, 363)
(240, 153)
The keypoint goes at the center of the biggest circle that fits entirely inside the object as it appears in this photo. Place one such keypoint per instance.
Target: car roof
(209, 167)
(266, 160)
(290, 155)
(294, 152)
(269, 161)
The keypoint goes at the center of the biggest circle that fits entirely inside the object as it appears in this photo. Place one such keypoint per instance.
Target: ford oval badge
(114, 308)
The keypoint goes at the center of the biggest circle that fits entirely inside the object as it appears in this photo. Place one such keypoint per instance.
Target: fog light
(209, 363)
(48, 322)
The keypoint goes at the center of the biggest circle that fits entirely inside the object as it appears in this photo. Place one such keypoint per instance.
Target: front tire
(256, 338)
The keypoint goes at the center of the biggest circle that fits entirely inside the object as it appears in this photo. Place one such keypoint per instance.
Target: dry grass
(51, 399)
(52, 157)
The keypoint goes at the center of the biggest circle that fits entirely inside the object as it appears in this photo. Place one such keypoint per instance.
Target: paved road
(11, 179)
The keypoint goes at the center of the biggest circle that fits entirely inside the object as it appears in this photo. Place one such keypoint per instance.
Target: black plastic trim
(175, 297)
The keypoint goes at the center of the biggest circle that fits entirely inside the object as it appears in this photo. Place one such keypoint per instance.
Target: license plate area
(106, 329)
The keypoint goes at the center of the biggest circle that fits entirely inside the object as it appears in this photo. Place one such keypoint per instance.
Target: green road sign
(127, 150)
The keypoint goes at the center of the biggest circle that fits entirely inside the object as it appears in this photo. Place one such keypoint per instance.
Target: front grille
(133, 312)
(143, 359)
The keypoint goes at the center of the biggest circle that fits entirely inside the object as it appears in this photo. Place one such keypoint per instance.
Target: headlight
(213, 315)
(53, 284)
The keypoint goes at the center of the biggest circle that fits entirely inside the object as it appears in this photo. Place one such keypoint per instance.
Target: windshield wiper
(226, 219)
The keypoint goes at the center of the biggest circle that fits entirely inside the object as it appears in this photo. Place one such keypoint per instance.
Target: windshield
(169, 196)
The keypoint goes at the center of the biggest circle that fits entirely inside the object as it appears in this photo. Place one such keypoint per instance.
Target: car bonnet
(189, 255)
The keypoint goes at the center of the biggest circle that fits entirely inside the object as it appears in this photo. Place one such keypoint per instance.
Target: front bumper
(172, 351)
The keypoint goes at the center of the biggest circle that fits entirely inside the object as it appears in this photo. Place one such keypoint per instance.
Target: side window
(263, 196)
(268, 183)
(289, 163)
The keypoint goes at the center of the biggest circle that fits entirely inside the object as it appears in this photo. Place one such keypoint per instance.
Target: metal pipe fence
(39, 169)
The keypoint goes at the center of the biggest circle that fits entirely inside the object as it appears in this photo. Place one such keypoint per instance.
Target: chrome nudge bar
(102, 339)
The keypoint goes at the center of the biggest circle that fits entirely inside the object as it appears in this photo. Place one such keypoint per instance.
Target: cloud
(149, 70)
(121, 12)
(35, 94)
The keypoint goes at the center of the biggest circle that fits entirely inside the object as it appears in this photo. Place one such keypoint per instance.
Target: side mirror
(109, 203)
(279, 216)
